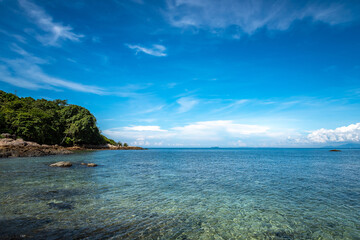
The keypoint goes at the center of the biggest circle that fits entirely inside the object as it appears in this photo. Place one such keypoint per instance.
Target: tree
(80, 126)
(119, 144)
(48, 122)
(126, 145)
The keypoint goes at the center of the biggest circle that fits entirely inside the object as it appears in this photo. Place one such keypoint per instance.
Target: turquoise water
(184, 194)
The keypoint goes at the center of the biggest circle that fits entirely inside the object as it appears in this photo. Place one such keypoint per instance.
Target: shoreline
(10, 148)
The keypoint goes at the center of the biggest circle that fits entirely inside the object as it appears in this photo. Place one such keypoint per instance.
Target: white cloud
(250, 15)
(156, 49)
(144, 128)
(194, 134)
(349, 133)
(55, 31)
(217, 129)
(186, 104)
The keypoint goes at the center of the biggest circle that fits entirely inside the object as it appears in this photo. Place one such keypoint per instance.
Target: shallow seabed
(184, 194)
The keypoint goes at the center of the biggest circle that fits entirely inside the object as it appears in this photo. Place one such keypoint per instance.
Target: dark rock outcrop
(19, 148)
(335, 150)
(12, 147)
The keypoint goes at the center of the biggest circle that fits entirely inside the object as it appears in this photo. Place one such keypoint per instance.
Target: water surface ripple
(184, 194)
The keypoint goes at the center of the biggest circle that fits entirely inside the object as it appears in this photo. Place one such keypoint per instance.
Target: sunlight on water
(184, 194)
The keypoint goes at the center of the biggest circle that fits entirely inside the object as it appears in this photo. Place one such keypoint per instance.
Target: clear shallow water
(184, 194)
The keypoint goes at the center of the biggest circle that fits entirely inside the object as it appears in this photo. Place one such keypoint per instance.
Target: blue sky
(192, 73)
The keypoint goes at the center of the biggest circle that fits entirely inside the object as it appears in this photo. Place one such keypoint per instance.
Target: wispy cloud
(55, 31)
(156, 49)
(349, 133)
(251, 15)
(186, 104)
(232, 105)
(26, 72)
(16, 36)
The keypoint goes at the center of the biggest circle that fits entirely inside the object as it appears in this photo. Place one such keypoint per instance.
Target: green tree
(49, 122)
(80, 125)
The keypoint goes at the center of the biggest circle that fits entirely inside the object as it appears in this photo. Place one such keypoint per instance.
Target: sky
(192, 73)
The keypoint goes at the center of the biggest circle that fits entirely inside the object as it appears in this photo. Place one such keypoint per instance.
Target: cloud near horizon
(229, 133)
(350, 133)
(200, 133)
(55, 31)
(251, 15)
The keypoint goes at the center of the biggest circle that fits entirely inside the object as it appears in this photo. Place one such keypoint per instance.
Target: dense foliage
(48, 122)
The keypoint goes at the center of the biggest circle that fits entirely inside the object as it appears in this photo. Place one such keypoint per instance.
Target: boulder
(61, 164)
(8, 135)
(60, 205)
(335, 150)
(14, 143)
(92, 165)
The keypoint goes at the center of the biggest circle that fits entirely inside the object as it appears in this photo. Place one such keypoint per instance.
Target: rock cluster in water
(69, 164)
(61, 164)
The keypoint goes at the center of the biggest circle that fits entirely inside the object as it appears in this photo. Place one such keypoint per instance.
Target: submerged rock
(61, 164)
(335, 150)
(60, 206)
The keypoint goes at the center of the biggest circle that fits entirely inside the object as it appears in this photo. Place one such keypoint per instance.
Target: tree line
(49, 122)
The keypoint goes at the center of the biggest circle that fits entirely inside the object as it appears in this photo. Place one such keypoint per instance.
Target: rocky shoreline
(10, 147)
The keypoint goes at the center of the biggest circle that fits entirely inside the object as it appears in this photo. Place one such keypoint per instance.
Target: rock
(13, 143)
(83, 163)
(61, 164)
(34, 144)
(6, 141)
(21, 148)
(335, 150)
(60, 205)
(92, 165)
(74, 148)
(8, 135)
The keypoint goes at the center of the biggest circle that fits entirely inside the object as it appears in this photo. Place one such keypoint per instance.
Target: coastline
(10, 147)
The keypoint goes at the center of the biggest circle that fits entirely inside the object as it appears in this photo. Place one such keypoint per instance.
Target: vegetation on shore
(49, 122)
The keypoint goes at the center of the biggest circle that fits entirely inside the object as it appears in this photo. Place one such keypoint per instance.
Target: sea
(242, 193)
